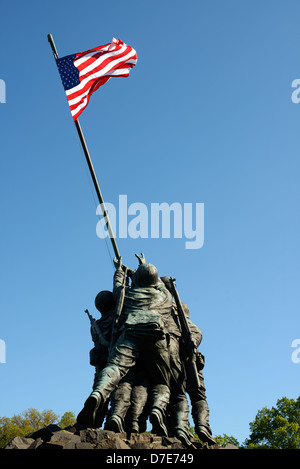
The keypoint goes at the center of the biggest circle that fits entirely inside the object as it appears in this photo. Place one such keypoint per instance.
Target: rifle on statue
(97, 335)
(192, 376)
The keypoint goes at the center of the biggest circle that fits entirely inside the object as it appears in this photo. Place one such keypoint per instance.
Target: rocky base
(78, 437)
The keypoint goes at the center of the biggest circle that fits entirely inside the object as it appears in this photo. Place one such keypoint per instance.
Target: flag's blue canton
(68, 72)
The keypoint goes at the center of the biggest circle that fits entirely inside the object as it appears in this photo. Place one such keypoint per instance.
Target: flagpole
(91, 168)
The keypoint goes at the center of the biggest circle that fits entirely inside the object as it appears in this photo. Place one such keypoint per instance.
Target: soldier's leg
(178, 409)
(200, 413)
(179, 416)
(157, 362)
(139, 396)
(101, 413)
(120, 361)
(121, 399)
(159, 396)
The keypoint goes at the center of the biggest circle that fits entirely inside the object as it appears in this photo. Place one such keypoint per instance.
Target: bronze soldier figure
(146, 308)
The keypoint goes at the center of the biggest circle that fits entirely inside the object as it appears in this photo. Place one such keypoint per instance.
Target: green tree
(28, 422)
(276, 428)
(67, 419)
(223, 440)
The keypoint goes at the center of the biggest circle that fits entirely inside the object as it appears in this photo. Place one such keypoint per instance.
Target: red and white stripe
(96, 67)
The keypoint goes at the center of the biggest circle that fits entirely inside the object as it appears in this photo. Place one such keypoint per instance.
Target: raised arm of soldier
(141, 258)
(120, 272)
(118, 280)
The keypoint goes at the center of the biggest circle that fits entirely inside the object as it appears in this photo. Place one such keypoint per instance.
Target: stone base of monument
(78, 437)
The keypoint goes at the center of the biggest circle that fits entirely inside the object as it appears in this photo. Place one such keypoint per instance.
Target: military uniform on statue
(146, 308)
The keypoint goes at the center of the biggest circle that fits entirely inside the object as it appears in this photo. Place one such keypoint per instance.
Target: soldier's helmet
(146, 275)
(105, 301)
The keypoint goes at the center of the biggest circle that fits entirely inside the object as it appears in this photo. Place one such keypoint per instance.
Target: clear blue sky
(206, 116)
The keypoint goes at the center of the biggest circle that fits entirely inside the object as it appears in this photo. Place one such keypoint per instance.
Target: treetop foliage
(278, 427)
(30, 421)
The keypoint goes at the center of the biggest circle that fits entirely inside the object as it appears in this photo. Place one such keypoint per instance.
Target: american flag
(85, 72)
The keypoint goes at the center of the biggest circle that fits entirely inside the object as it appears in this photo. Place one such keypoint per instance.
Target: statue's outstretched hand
(118, 262)
(141, 258)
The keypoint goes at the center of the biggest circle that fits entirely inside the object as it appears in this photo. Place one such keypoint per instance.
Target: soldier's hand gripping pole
(120, 302)
(192, 376)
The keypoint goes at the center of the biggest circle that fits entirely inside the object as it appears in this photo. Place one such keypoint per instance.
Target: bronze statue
(146, 359)
(146, 306)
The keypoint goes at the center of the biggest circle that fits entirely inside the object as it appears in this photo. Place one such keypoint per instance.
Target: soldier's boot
(100, 415)
(134, 426)
(157, 420)
(115, 424)
(139, 398)
(104, 385)
(133, 420)
(119, 405)
(87, 416)
(160, 395)
(180, 413)
(200, 414)
(136, 422)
